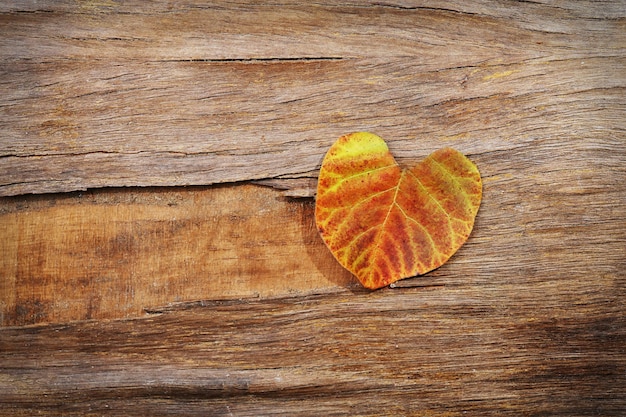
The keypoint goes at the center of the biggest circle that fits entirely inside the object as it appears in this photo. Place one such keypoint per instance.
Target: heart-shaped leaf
(384, 224)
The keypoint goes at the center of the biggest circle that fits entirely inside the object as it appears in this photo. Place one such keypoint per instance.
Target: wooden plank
(227, 30)
(107, 95)
(111, 254)
(223, 300)
(547, 209)
(473, 348)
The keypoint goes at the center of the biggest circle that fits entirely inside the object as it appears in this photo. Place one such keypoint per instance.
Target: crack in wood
(259, 59)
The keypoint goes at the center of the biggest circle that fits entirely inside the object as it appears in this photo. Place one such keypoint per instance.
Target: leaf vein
(432, 242)
(456, 181)
(354, 207)
(344, 179)
(432, 197)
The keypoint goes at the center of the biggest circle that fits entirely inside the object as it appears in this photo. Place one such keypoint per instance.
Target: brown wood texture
(101, 94)
(468, 349)
(113, 253)
(222, 299)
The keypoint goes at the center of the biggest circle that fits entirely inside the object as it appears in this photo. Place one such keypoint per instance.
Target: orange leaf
(384, 224)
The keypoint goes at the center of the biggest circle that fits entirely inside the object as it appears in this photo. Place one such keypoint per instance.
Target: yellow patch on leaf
(384, 224)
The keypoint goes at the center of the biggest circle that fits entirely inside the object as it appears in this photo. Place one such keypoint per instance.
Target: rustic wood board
(222, 299)
(102, 94)
(460, 350)
(111, 254)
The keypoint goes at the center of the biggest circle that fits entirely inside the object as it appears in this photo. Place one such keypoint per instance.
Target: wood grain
(126, 95)
(111, 254)
(222, 299)
(458, 350)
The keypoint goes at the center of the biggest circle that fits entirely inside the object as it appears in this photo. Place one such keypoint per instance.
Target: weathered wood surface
(111, 254)
(437, 352)
(527, 318)
(101, 94)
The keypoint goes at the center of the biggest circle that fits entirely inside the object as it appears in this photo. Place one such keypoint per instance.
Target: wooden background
(158, 248)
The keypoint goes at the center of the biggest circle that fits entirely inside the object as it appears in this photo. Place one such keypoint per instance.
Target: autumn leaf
(384, 224)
